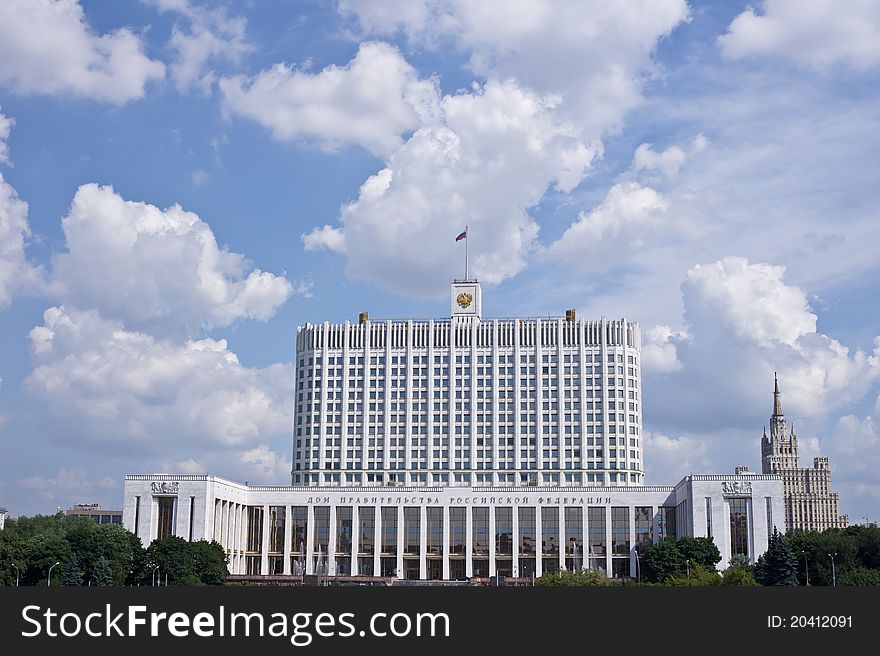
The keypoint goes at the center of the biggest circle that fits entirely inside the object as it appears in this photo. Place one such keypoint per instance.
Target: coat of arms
(464, 300)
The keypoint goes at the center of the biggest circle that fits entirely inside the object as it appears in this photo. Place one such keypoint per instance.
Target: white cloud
(16, 273)
(744, 322)
(47, 47)
(494, 155)
(158, 270)
(68, 486)
(212, 35)
(558, 77)
(372, 101)
(200, 177)
(659, 352)
(592, 54)
(138, 394)
(668, 161)
(623, 224)
(813, 33)
(668, 458)
(6, 124)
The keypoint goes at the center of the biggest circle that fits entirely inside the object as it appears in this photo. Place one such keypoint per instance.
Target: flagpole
(465, 252)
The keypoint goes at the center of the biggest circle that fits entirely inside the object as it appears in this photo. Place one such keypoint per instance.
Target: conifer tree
(102, 574)
(72, 574)
(778, 566)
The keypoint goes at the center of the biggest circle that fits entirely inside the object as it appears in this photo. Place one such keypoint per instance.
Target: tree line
(80, 551)
(849, 556)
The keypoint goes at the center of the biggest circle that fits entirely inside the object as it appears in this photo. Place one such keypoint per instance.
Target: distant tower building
(810, 505)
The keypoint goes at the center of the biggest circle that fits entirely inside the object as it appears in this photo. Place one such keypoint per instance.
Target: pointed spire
(777, 403)
(765, 432)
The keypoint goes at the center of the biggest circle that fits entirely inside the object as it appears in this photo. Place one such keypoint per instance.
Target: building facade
(3, 513)
(457, 448)
(466, 401)
(810, 503)
(94, 512)
(451, 532)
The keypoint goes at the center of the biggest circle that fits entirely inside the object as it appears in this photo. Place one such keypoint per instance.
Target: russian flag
(463, 235)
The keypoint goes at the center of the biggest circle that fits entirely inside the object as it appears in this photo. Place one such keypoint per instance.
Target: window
(435, 531)
(299, 522)
(411, 530)
(527, 531)
(550, 531)
(343, 530)
(276, 529)
(322, 529)
(480, 531)
(644, 532)
(504, 531)
(620, 531)
(708, 517)
(739, 535)
(597, 544)
(574, 539)
(457, 531)
(366, 531)
(166, 517)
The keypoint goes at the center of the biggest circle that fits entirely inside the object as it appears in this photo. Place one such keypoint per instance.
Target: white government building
(460, 447)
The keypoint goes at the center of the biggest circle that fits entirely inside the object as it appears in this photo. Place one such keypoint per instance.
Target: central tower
(464, 400)
(467, 299)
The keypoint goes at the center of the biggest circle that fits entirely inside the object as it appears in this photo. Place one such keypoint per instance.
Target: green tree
(699, 551)
(186, 563)
(72, 573)
(564, 577)
(698, 576)
(662, 561)
(102, 574)
(778, 565)
(739, 572)
(860, 576)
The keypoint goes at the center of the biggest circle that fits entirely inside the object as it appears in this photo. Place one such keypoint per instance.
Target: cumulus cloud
(48, 47)
(372, 101)
(157, 270)
(17, 274)
(659, 351)
(494, 155)
(813, 33)
(211, 34)
(133, 392)
(744, 322)
(854, 449)
(67, 486)
(556, 78)
(592, 53)
(620, 226)
(668, 161)
(668, 458)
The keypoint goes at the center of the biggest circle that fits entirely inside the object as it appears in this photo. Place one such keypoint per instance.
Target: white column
(539, 539)
(469, 541)
(264, 543)
(423, 542)
(585, 545)
(400, 541)
(515, 515)
(608, 540)
(492, 541)
(377, 540)
(560, 538)
(310, 539)
(447, 527)
(331, 543)
(355, 539)
(288, 539)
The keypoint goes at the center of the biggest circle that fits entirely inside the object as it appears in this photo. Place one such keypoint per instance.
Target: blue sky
(184, 183)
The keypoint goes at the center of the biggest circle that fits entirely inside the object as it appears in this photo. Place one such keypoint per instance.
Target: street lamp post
(17, 573)
(49, 582)
(806, 566)
(688, 563)
(833, 570)
(638, 566)
(153, 576)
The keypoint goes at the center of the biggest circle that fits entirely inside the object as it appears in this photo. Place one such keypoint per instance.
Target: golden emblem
(464, 300)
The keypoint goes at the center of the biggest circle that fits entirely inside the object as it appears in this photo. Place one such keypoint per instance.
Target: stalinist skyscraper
(810, 504)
